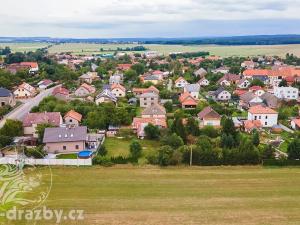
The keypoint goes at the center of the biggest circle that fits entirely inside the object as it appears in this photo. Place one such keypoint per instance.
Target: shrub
(102, 160)
(37, 153)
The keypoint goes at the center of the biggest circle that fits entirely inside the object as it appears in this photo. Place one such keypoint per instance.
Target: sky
(150, 18)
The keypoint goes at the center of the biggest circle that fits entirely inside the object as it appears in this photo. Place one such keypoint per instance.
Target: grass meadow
(197, 195)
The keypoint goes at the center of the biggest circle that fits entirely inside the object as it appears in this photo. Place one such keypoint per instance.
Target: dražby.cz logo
(22, 188)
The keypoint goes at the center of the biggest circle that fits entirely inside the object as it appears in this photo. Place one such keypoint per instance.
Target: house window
(77, 147)
(266, 117)
(266, 123)
(255, 117)
(2, 103)
(71, 120)
(64, 147)
(259, 117)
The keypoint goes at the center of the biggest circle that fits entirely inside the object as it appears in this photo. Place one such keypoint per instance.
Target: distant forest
(236, 40)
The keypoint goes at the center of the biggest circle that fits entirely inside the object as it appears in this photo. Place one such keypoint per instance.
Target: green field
(198, 195)
(224, 51)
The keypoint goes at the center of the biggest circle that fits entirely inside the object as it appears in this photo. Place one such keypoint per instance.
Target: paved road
(20, 112)
(286, 128)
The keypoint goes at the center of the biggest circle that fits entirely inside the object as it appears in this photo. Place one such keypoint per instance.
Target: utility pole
(191, 156)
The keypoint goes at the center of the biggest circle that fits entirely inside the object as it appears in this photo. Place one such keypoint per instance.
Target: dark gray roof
(270, 100)
(220, 89)
(107, 94)
(5, 93)
(63, 134)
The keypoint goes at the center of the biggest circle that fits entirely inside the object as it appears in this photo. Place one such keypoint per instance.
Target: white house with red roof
(295, 124)
(72, 118)
(25, 91)
(34, 66)
(257, 90)
(118, 90)
(267, 116)
(181, 82)
(203, 82)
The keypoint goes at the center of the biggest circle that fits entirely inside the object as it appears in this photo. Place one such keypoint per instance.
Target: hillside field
(224, 51)
(198, 195)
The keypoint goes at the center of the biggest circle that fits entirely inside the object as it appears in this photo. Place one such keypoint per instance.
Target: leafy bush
(37, 153)
(102, 160)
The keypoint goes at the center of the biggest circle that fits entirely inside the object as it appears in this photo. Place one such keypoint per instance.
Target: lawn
(67, 156)
(23, 47)
(198, 195)
(120, 146)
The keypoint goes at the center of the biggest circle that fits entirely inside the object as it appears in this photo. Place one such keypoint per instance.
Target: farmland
(198, 195)
(224, 51)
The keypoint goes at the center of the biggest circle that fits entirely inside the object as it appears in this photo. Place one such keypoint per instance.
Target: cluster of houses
(67, 135)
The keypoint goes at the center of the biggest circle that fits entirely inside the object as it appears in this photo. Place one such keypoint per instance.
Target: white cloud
(33, 17)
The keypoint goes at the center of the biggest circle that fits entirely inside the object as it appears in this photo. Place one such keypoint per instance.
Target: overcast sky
(150, 18)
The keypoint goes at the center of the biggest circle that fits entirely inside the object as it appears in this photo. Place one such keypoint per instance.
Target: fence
(48, 162)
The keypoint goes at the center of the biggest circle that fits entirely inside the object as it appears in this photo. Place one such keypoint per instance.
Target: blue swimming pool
(85, 154)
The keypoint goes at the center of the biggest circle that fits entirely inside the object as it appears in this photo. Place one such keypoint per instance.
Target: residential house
(250, 99)
(61, 93)
(209, 117)
(187, 101)
(72, 118)
(116, 79)
(25, 91)
(15, 67)
(257, 90)
(249, 64)
(193, 90)
(124, 67)
(44, 84)
(286, 93)
(270, 100)
(148, 99)
(106, 97)
(65, 140)
(89, 77)
(221, 95)
(33, 66)
(32, 120)
(118, 90)
(267, 116)
(139, 91)
(200, 73)
(295, 124)
(181, 82)
(222, 69)
(6, 98)
(154, 111)
(229, 79)
(139, 124)
(154, 79)
(203, 82)
(251, 125)
(85, 90)
(243, 83)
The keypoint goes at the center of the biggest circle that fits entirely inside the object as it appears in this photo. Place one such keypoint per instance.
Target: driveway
(20, 112)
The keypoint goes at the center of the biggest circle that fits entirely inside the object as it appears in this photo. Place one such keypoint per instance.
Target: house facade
(181, 82)
(118, 90)
(65, 140)
(148, 99)
(267, 116)
(286, 93)
(72, 118)
(25, 91)
(7, 98)
(209, 117)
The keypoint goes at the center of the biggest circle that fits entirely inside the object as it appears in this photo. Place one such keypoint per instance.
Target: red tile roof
(53, 118)
(114, 86)
(187, 99)
(60, 90)
(73, 114)
(258, 109)
(30, 64)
